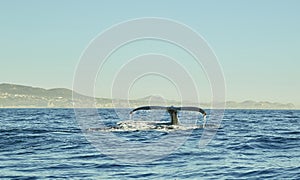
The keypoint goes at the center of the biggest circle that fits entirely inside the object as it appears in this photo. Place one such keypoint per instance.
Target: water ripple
(250, 144)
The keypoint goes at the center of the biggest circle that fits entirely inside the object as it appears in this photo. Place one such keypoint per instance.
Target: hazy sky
(257, 42)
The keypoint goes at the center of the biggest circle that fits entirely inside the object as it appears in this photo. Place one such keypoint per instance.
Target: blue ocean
(51, 144)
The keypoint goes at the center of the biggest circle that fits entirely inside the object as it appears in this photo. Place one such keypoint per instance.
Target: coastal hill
(19, 96)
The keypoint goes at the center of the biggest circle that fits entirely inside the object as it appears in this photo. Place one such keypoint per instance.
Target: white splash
(130, 125)
(204, 121)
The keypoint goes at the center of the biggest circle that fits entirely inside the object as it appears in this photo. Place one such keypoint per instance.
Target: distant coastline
(20, 96)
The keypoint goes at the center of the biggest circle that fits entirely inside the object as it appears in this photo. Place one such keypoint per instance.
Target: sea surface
(50, 144)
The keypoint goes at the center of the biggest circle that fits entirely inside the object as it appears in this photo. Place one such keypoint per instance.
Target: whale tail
(171, 110)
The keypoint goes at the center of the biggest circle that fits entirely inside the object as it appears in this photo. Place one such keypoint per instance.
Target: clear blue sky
(257, 41)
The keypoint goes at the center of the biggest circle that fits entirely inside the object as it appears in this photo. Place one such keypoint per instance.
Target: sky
(257, 42)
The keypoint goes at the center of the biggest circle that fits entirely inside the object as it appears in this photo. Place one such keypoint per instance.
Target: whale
(130, 125)
(171, 110)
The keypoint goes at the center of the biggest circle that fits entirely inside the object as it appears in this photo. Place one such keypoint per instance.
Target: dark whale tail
(171, 110)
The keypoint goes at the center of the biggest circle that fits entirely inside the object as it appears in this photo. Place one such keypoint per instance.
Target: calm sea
(49, 143)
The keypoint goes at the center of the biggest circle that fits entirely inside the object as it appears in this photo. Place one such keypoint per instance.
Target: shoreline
(29, 107)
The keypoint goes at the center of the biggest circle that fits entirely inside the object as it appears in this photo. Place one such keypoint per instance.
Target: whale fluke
(191, 108)
(171, 110)
(149, 108)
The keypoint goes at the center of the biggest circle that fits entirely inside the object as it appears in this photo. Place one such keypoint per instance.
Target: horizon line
(138, 98)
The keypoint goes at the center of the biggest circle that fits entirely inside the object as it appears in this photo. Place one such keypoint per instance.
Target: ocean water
(49, 143)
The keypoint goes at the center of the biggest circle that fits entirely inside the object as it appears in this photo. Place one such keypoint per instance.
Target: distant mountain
(24, 96)
(12, 95)
(19, 96)
(258, 105)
